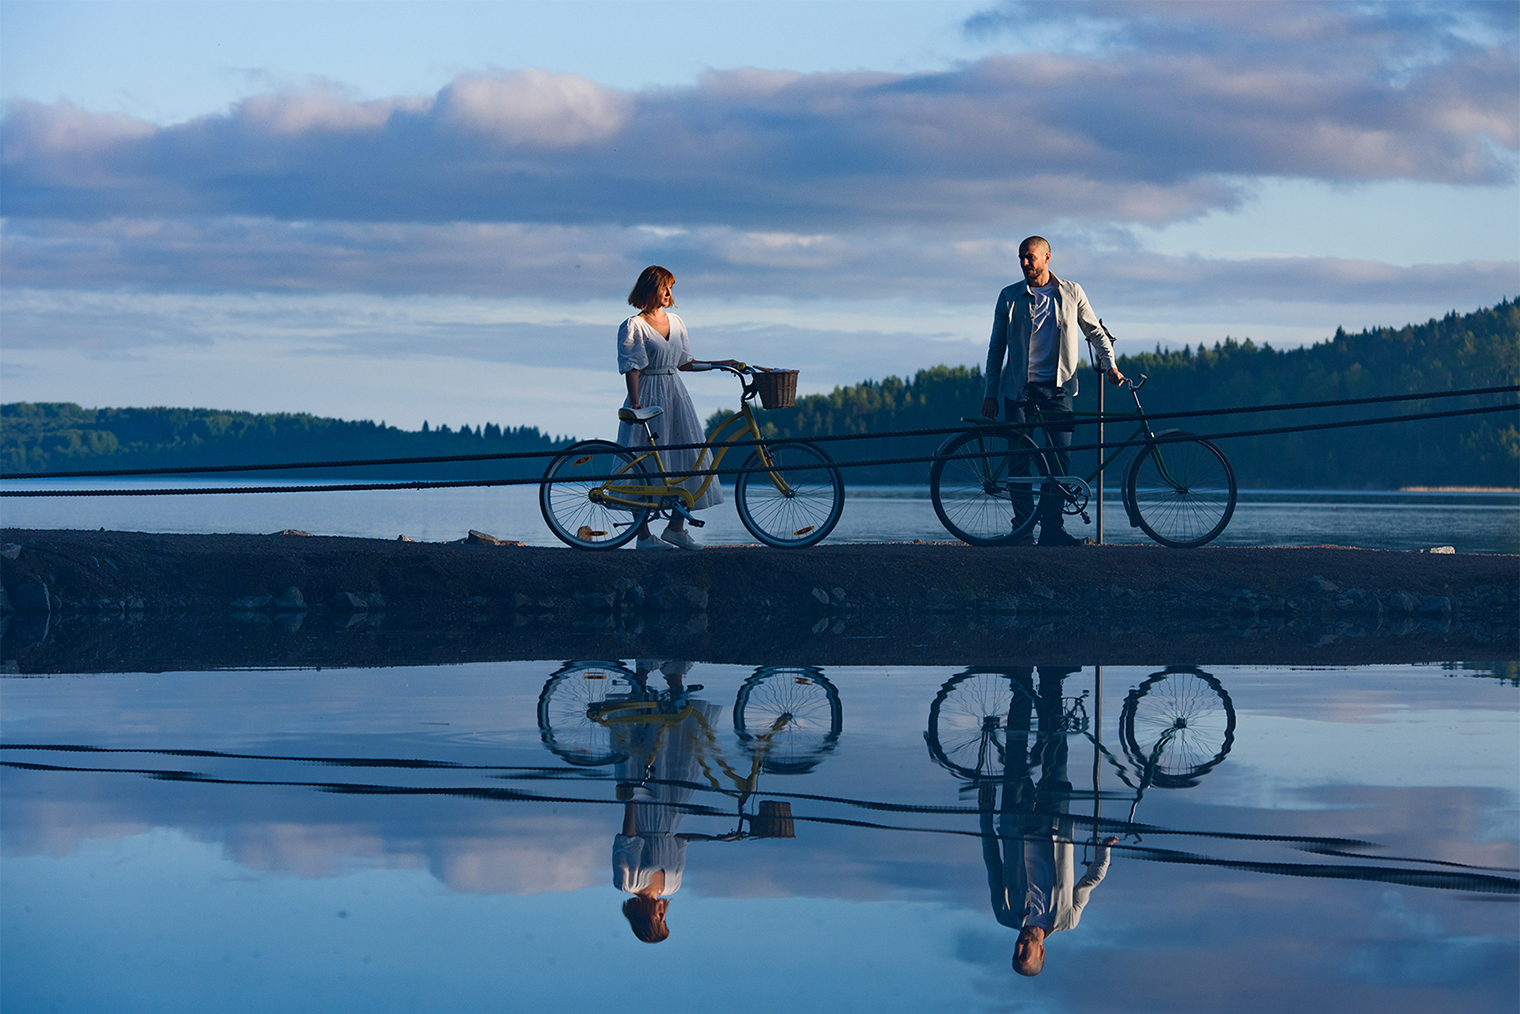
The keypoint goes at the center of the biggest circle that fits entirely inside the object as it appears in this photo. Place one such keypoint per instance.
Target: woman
(652, 346)
(656, 778)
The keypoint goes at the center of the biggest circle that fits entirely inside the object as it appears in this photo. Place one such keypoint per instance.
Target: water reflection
(661, 742)
(1211, 816)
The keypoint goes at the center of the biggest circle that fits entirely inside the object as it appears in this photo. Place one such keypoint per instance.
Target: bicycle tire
(972, 496)
(792, 713)
(570, 508)
(1194, 712)
(1182, 492)
(564, 722)
(803, 515)
(968, 723)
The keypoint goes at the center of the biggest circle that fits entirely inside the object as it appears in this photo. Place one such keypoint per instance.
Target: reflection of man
(1031, 875)
(1035, 328)
(654, 781)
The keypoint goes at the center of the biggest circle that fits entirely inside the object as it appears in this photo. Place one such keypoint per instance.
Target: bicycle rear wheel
(806, 510)
(979, 499)
(576, 509)
(564, 710)
(1183, 492)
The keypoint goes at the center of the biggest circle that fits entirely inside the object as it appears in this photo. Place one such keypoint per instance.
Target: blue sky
(433, 210)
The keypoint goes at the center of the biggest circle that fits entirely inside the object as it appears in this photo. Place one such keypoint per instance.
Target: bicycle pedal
(694, 688)
(694, 522)
(1085, 519)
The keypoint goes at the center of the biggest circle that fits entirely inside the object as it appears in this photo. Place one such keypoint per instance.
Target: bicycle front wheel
(796, 501)
(790, 715)
(1182, 492)
(990, 496)
(1178, 724)
(585, 513)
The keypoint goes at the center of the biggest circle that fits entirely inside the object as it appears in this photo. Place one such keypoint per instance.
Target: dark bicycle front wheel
(796, 501)
(1177, 726)
(985, 485)
(1182, 490)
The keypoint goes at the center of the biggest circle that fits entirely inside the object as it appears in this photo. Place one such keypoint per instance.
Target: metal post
(1097, 747)
(1101, 384)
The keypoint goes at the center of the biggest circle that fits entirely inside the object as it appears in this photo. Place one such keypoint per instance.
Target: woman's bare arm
(631, 378)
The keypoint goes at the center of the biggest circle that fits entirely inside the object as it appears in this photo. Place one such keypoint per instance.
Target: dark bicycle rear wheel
(985, 486)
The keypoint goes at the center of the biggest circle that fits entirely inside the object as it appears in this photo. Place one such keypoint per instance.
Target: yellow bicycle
(597, 494)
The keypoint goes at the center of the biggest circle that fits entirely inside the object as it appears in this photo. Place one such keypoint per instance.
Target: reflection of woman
(652, 346)
(648, 857)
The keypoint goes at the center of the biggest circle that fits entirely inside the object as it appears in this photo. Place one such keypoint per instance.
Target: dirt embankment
(103, 601)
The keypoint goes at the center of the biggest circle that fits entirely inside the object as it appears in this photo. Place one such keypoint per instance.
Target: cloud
(582, 264)
(1158, 130)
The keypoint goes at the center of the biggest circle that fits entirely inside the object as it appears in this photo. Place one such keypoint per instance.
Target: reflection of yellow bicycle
(787, 719)
(598, 494)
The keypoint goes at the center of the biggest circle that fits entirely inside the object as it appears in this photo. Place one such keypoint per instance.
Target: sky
(410, 211)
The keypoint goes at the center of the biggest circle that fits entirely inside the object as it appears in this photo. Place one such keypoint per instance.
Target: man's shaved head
(1033, 242)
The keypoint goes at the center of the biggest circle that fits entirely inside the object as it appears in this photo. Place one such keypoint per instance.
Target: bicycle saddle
(644, 414)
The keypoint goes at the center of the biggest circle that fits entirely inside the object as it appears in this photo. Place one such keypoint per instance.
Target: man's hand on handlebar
(1114, 376)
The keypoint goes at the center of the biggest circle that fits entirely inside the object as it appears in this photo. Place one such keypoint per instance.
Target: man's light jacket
(1012, 326)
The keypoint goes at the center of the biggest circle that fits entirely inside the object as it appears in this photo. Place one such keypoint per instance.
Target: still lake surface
(1471, 522)
(444, 839)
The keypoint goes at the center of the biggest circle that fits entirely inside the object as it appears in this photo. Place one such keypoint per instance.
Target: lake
(1471, 522)
(445, 839)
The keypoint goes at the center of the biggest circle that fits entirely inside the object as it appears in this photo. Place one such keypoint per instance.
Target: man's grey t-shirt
(1043, 348)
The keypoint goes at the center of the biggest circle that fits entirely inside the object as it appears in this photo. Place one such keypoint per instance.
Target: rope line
(1159, 438)
(1081, 419)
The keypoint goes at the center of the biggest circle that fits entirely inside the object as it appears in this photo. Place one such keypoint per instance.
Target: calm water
(444, 839)
(1473, 523)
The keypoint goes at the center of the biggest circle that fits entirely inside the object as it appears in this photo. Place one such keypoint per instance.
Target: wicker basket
(775, 818)
(777, 388)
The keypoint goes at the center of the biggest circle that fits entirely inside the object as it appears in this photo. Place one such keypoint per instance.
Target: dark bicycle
(987, 483)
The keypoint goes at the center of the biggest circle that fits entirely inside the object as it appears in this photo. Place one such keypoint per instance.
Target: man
(1032, 875)
(1035, 329)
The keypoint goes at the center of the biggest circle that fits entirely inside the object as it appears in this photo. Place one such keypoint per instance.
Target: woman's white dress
(640, 347)
(663, 761)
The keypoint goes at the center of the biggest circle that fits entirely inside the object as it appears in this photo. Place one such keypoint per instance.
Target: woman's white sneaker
(652, 543)
(681, 539)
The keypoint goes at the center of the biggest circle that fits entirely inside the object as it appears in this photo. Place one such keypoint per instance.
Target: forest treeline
(1479, 349)
(1459, 351)
(61, 436)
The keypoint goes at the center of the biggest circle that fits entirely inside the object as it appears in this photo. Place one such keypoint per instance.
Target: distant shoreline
(1459, 489)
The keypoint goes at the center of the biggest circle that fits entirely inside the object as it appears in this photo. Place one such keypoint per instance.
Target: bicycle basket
(777, 388)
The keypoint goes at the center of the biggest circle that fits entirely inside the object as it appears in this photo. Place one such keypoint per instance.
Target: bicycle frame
(1078, 486)
(622, 494)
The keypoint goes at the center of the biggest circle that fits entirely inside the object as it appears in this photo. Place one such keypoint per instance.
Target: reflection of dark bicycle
(1177, 726)
(986, 483)
(789, 717)
(968, 722)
